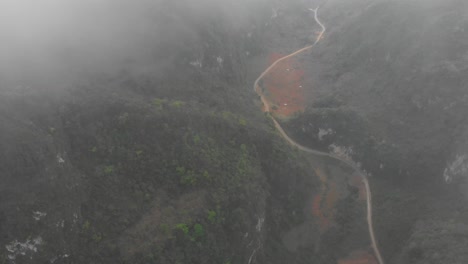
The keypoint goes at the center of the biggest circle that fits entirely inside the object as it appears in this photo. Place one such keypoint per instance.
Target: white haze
(44, 40)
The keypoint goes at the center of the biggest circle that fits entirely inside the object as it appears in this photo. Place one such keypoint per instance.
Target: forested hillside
(130, 131)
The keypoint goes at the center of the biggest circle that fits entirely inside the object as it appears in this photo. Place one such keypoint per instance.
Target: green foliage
(180, 170)
(177, 104)
(243, 148)
(211, 152)
(215, 216)
(228, 115)
(198, 231)
(196, 139)
(212, 216)
(159, 103)
(109, 169)
(52, 130)
(86, 225)
(220, 167)
(233, 118)
(183, 227)
(242, 121)
(243, 165)
(206, 175)
(97, 237)
(189, 179)
(192, 178)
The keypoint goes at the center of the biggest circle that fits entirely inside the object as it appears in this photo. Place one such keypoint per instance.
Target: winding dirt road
(351, 164)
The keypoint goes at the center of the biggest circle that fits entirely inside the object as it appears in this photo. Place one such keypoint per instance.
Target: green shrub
(109, 169)
(86, 225)
(97, 237)
(212, 216)
(183, 227)
(206, 176)
(180, 170)
(177, 104)
(196, 139)
(242, 121)
(198, 231)
(189, 179)
(159, 103)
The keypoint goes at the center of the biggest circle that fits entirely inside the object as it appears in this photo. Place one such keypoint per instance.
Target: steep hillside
(388, 86)
(151, 146)
(165, 161)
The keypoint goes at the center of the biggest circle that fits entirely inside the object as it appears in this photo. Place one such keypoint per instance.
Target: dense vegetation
(172, 161)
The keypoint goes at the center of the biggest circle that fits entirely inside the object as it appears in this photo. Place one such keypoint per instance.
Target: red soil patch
(323, 204)
(332, 198)
(324, 222)
(283, 86)
(357, 182)
(359, 257)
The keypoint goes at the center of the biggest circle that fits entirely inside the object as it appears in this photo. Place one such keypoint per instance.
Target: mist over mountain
(60, 40)
(130, 131)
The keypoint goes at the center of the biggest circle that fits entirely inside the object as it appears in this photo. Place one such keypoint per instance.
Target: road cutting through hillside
(350, 163)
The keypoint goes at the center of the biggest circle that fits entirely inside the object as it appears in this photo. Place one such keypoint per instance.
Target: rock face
(162, 154)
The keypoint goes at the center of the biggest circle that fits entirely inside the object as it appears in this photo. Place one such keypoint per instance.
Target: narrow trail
(291, 141)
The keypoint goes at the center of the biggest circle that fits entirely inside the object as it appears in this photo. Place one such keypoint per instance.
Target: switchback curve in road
(351, 164)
